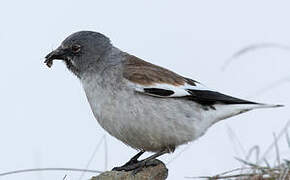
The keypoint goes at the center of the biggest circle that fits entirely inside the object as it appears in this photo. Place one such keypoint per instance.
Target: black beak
(59, 54)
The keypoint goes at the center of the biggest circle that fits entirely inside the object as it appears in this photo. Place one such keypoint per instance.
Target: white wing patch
(178, 91)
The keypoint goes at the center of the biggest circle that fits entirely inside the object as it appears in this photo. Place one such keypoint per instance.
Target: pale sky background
(45, 120)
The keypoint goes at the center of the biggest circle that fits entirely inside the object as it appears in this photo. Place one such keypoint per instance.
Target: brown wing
(138, 71)
(147, 75)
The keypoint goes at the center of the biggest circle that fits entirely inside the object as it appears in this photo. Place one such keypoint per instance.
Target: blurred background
(45, 120)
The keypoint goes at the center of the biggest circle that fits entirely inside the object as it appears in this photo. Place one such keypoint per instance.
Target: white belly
(145, 122)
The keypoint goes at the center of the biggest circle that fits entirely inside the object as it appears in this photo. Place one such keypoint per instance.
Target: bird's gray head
(80, 51)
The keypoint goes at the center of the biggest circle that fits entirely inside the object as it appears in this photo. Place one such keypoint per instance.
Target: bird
(147, 107)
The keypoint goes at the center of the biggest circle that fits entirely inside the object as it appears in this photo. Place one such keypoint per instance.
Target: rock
(158, 172)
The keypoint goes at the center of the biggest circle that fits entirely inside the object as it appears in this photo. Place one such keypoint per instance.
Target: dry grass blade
(64, 177)
(177, 155)
(287, 138)
(235, 141)
(271, 86)
(255, 171)
(106, 152)
(252, 48)
(223, 177)
(280, 135)
(227, 174)
(247, 163)
(256, 150)
(93, 155)
(277, 149)
(285, 174)
(48, 169)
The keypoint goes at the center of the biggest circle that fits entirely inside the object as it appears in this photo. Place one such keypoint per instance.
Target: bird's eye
(76, 48)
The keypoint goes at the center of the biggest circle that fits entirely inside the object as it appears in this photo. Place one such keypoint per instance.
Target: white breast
(143, 122)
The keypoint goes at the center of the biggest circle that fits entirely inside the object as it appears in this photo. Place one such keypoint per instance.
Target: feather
(156, 81)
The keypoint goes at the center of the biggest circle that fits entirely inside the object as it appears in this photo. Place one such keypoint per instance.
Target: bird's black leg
(139, 165)
(133, 160)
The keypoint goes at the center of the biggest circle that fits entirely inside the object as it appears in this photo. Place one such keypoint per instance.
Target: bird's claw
(137, 166)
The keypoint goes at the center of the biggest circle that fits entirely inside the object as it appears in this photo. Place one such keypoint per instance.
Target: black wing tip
(207, 97)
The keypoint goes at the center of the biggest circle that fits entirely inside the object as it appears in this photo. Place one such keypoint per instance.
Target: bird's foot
(133, 160)
(137, 166)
